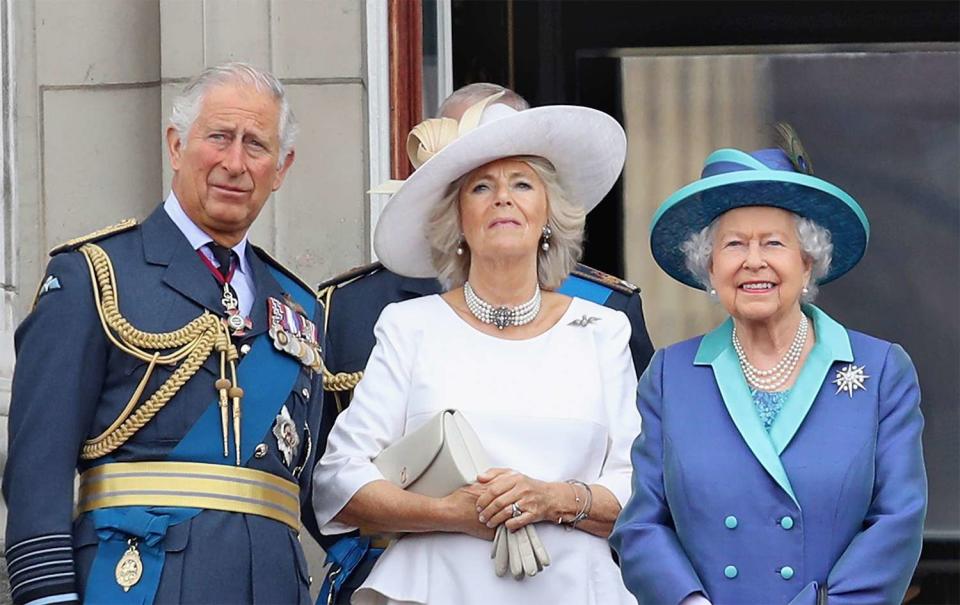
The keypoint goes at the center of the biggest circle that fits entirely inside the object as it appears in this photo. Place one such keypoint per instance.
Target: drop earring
(460, 246)
(545, 238)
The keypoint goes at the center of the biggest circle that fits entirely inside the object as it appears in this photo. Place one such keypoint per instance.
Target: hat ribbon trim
(427, 138)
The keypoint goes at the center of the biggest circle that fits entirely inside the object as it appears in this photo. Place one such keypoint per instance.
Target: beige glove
(521, 552)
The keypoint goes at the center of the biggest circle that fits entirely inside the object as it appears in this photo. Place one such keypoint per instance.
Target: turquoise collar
(716, 350)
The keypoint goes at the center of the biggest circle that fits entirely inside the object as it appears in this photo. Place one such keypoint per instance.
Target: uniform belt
(192, 485)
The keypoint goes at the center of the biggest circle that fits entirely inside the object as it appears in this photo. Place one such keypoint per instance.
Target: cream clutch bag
(438, 458)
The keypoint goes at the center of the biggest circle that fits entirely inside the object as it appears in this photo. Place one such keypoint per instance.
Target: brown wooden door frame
(405, 18)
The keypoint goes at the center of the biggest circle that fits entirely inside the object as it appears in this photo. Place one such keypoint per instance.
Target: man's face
(228, 166)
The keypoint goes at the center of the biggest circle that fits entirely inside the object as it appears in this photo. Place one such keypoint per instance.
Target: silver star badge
(286, 433)
(584, 321)
(849, 379)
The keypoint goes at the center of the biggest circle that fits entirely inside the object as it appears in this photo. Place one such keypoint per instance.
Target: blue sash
(266, 376)
(578, 287)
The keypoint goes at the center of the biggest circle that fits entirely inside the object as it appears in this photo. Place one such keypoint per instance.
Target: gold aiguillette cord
(229, 392)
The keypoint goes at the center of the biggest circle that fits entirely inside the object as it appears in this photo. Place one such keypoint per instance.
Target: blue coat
(831, 500)
(71, 383)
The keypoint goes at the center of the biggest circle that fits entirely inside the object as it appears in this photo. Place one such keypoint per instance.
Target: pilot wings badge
(584, 321)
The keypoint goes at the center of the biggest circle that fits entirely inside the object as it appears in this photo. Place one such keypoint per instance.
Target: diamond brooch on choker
(502, 317)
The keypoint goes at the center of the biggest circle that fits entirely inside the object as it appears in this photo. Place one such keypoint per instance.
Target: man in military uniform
(354, 300)
(177, 367)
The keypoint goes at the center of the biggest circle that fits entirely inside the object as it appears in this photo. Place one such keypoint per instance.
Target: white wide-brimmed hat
(587, 147)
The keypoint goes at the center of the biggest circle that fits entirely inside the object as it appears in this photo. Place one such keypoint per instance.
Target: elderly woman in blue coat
(780, 458)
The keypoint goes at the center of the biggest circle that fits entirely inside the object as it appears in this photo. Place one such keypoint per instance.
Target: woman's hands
(461, 508)
(538, 500)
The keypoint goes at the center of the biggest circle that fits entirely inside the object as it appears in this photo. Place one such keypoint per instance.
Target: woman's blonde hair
(565, 218)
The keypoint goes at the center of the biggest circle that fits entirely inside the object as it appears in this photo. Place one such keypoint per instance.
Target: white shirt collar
(197, 237)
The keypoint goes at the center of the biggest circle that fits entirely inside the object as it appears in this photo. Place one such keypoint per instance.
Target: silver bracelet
(585, 506)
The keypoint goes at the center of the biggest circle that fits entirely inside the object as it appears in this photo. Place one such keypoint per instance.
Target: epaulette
(124, 225)
(279, 266)
(605, 279)
(341, 382)
(348, 276)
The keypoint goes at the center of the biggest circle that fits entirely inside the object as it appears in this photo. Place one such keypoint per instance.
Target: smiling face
(228, 166)
(757, 266)
(503, 208)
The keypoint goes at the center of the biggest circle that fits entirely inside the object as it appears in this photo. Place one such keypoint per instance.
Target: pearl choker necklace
(502, 316)
(777, 376)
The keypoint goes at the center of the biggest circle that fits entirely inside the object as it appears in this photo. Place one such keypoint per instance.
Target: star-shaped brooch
(849, 379)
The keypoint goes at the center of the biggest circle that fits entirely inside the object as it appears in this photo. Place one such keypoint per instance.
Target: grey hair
(187, 105)
(478, 91)
(565, 218)
(815, 244)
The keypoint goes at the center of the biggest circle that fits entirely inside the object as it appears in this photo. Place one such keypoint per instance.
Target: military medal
(850, 379)
(293, 333)
(130, 568)
(233, 319)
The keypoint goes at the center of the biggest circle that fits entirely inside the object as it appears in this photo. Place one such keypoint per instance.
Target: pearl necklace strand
(777, 376)
(502, 316)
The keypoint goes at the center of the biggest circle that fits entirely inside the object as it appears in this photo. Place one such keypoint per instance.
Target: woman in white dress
(546, 381)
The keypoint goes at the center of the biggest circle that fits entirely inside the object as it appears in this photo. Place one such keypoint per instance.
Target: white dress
(557, 406)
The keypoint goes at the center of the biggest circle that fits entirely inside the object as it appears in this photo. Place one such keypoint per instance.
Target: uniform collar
(716, 350)
(197, 237)
(421, 286)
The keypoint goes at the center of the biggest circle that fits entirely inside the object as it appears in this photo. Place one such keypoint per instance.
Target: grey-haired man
(175, 366)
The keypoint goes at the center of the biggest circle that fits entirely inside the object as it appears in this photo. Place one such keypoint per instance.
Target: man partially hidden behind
(355, 299)
(176, 367)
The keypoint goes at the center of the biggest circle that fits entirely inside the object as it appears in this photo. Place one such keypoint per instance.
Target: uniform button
(786, 572)
(786, 522)
(731, 522)
(305, 392)
(730, 571)
(260, 451)
(244, 349)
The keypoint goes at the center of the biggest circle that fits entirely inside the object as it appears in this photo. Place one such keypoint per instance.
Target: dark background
(907, 289)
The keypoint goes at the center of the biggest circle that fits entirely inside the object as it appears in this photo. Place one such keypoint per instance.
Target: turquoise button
(731, 522)
(786, 572)
(730, 571)
(786, 523)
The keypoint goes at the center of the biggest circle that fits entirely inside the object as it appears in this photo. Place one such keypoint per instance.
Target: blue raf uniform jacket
(826, 508)
(71, 383)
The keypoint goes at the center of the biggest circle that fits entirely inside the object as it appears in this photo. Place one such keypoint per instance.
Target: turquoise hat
(731, 179)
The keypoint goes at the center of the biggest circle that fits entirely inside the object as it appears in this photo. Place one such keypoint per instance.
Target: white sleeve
(375, 418)
(619, 383)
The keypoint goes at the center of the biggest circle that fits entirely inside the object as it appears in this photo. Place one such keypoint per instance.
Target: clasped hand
(501, 488)
(500, 494)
